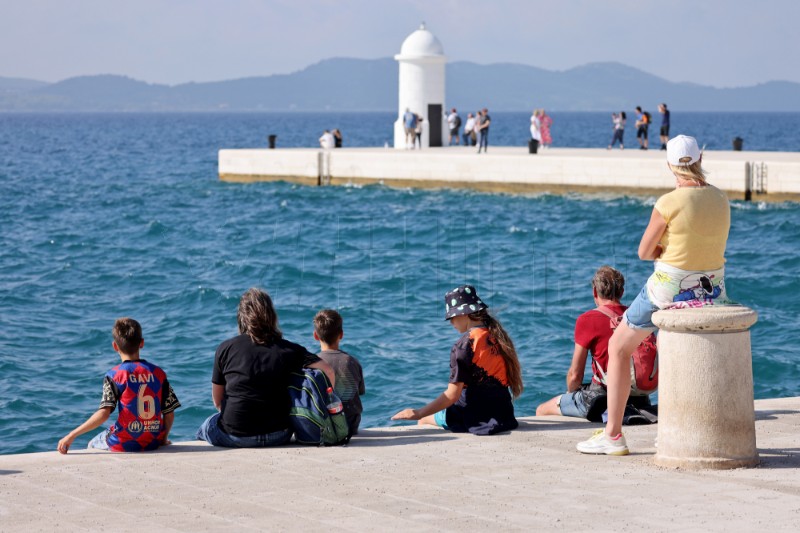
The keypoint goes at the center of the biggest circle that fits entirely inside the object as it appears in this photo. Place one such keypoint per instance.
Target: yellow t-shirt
(698, 220)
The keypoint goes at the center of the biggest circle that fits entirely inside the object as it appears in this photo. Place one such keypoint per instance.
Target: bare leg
(618, 380)
(427, 420)
(550, 407)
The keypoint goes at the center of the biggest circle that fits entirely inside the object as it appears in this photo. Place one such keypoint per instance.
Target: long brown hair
(507, 350)
(257, 317)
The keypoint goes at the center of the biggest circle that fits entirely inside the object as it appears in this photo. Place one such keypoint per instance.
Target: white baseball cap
(681, 147)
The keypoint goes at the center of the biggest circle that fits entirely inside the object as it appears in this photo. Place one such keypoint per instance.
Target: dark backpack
(644, 360)
(648, 120)
(457, 122)
(310, 420)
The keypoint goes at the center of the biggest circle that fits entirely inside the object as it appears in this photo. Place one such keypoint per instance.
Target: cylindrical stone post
(706, 417)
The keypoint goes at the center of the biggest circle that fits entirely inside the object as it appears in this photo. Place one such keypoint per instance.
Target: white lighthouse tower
(421, 90)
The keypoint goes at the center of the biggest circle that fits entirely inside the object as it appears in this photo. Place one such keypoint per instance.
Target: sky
(722, 43)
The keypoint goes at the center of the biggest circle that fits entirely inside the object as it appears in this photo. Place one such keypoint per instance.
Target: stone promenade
(410, 479)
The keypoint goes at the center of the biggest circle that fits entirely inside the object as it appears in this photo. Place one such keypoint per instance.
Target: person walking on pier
(418, 133)
(642, 125)
(485, 373)
(545, 122)
(662, 108)
(484, 121)
(686, 238)
(469, 130)
(619, 129)
(410, 125)
(536, 128)
(454, 125)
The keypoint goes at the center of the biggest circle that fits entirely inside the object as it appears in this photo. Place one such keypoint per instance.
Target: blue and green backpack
(311, 422)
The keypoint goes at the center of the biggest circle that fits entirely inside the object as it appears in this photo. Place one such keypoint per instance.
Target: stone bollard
(706, 417)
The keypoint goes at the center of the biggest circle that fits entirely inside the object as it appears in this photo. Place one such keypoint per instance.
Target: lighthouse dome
(421, 43)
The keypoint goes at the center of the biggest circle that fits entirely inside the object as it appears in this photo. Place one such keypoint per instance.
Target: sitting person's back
(349, 374)
(250, 379)
(593, 330)
(141, 393)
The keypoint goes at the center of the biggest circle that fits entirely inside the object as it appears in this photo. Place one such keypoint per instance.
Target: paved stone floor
(410, 478)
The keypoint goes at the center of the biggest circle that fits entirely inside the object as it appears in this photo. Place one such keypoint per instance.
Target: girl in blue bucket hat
(485, 374)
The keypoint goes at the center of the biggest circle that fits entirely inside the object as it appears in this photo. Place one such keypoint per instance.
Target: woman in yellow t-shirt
(686, 237)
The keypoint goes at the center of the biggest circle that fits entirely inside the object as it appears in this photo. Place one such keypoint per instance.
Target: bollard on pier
(706, 418)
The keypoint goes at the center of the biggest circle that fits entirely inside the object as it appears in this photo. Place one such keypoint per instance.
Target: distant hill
(17, 85)
(342, 84)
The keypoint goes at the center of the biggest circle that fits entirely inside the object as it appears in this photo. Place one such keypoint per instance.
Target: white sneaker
(600, 443)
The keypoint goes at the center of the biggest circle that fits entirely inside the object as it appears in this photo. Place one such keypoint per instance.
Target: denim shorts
(100, 441)
(577, 404)
(211, 433)
(640, 313)
(440, 417)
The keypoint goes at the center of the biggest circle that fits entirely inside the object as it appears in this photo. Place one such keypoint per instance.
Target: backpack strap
(606, 310)
(612, 316)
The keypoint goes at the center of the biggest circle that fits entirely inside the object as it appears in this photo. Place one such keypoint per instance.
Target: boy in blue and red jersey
(145, 398)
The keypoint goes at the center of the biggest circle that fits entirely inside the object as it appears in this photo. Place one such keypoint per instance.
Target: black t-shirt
(256, 381)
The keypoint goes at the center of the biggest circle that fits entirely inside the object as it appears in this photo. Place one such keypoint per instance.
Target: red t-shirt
(592, 331)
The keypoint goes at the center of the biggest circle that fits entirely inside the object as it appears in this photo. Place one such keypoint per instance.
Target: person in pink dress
(546, 122)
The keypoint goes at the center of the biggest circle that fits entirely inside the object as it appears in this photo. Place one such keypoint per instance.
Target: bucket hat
(462, 300)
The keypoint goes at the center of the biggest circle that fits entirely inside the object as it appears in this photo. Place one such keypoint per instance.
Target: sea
(110, 215)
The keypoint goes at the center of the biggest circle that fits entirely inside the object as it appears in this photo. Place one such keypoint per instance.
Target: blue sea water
(112, 215)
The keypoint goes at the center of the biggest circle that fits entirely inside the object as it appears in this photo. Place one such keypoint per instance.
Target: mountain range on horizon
(343, 84)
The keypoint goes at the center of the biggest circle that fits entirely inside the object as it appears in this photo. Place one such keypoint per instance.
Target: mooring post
(706, 417)
(748, 182)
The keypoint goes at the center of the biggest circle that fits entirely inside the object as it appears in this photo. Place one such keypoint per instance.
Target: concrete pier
(772, 176)
(410, 479)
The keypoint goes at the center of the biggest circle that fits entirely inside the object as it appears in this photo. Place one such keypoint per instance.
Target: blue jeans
(484, 142)
(211, 433)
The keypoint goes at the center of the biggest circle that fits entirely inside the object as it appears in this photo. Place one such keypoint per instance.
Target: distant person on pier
(349, 386)
(619, 129)
(139, 390)
(454, 125)
(593, 329)
(642, 125)
(485, 373)
(483, 130)
(250, 379)
(410, 125)
(662, 108)
(469, 130)
(327, 141)
(337, 138)
(418, 132)
(545, 123)
(536, 128)
(686, 238)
